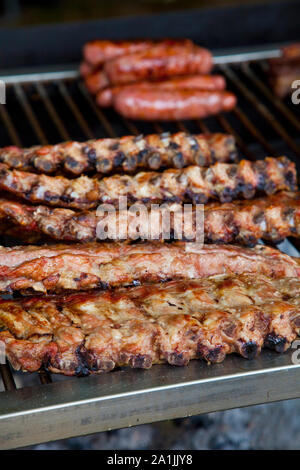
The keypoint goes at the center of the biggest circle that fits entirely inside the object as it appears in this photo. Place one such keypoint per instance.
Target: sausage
(284, 70)
(99, 51)
(162, 105)
(197, 82)
(158, 64)
(96, 81)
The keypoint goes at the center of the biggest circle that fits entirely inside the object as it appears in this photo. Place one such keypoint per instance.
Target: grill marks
(127, 154)
(179, 321)
(221, 181)
(270, 218)
(84, 267)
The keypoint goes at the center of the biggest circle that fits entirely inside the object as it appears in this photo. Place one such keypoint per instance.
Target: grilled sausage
(157, 64)
(168, 105)
(99, 51)
(85, 69)
(284, 70)
(221, 181)
(195, 82)
(291, 52)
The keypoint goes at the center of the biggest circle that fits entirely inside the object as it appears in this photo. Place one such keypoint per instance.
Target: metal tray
(72, 406)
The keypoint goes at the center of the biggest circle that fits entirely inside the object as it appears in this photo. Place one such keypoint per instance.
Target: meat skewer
(84, 267)
(223, 181)
(271, 218)
(202, 319)
(106, 96)
(98, 51)
(169, 105)
(126, 153)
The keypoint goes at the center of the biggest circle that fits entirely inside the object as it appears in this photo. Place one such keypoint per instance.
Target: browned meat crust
(98, 51)
(103, 252)
(127, 153)
(158, 63)
(271, 218)
(83, 267)
(174, 323)
(105, 97)
(223, 181)
(11, 234)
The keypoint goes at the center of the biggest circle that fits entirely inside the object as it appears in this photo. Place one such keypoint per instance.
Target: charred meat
(127, 154)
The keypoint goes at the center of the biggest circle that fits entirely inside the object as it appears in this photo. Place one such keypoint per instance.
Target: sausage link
(167, 105)
(127, 154)
(156, 63)
(197, 82)
(85, 69)
(96, 81)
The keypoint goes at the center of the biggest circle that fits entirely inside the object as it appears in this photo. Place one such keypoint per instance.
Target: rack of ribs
(58, 268)
(89, 333)
(98, 51)
(221, 181)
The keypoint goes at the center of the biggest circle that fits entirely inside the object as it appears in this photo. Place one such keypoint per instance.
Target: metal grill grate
(48, 107)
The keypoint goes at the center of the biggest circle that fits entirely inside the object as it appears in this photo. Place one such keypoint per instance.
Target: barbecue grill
(50, 104)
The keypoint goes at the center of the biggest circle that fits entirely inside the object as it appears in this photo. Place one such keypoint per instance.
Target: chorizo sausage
(157, 64)
(99, 51)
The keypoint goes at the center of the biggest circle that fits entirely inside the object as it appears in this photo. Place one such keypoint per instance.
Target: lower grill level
(46, 108)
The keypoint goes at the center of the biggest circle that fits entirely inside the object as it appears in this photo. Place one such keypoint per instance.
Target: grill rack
(32, 412)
